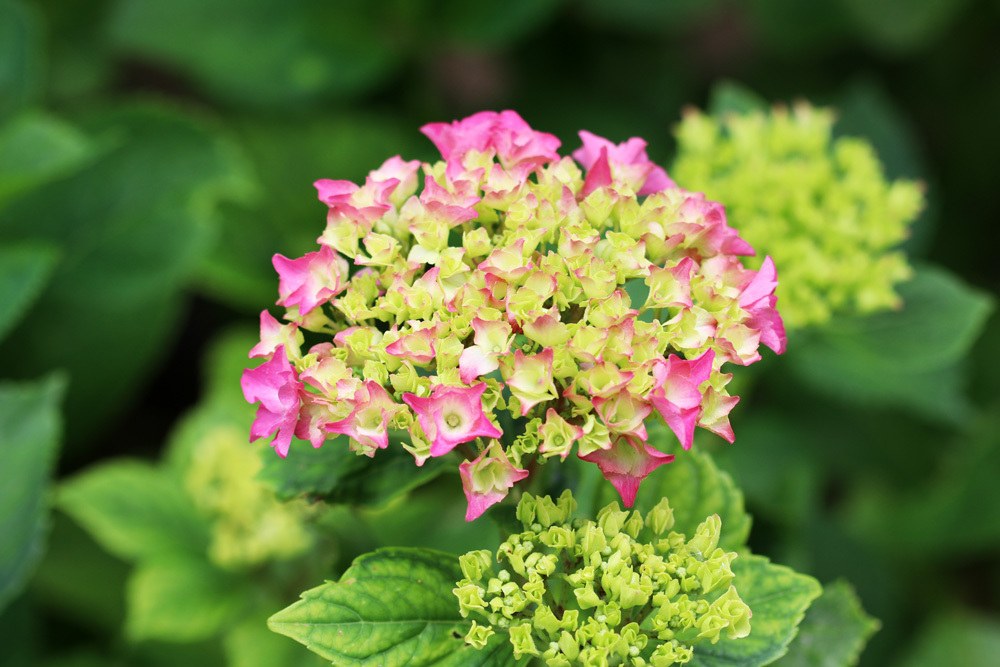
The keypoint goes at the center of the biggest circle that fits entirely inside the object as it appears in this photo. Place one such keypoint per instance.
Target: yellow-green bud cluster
(621, 590)
(821, 207)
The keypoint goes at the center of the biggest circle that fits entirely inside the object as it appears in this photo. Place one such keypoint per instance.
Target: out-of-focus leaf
(956, 639)
(392, 606)
(29, 437)
(907, 358)
(648, 15)
(264, 52)
(833, 632)
(778, 598)
(131, 228)
(902, 26)
(79, 580)
(24, 270)
(695, 488)
(20, 56)
(134, 510)
(78, 58)
(864, 109)
(487, 24)
(732, 97)
(251, 644)
(799, 29)
(36, 148)
(181, 598)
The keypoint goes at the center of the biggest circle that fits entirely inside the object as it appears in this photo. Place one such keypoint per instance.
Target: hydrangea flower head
(512, 305)
(630, 591)
(820, 206)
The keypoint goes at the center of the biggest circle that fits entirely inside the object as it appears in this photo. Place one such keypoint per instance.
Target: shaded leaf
(731, 97)
(181, 598)
(20, 56)
(134, 510)
(834, 631)
(30, 428)
(903, 25)
(393, 606)
(24, 270)
(957, 639)
(36, 148)
(778, 598)
(907, 358)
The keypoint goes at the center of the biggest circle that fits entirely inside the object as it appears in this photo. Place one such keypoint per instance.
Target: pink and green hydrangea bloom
(496, 286)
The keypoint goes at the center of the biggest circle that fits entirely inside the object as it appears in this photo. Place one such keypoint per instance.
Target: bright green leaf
(907, 358)
(29, 437)
(778, 598)
(24, 270)
(134, 510)
(695, 488)
(36, 148)
(181, 598)
(392, 607)
(958, 639)
(834, 631)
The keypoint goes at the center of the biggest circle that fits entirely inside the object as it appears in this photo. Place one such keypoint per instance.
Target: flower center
(452, 420)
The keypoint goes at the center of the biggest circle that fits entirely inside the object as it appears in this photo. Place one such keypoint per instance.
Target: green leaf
(24, 270)
(486, 24)
(392, 607)
(834, 632)
(36, 148)
(277, 54)
(778, 598)
(338, 475)
(905, 359)
(21, 56)
(131, 230)
(134, 510)
(695, 487)
(29, 437)
(901, 26)
(956, 639)
(251, 644)
(182, 598)
(731, 97)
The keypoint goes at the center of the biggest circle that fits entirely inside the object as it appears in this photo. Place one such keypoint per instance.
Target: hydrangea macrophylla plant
(830, 218)
(512, 304)
(631, 591)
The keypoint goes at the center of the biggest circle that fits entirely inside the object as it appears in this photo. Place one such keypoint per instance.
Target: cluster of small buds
(621, 590)
(820, 206)
(509, 286)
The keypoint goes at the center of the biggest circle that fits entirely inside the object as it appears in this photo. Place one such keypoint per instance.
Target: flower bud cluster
(619, 590)
(506, 284)
(820, 206)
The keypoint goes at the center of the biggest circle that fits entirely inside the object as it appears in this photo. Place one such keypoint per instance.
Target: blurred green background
(153, 156)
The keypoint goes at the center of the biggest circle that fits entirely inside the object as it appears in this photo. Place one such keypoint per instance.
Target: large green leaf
(24, 270)
(276, 54)
(36, 148)
(251, 644)
(131, 229)
(834, 631)
(392, 607)
(180, 598)
(907, 358)
(956, 639)
(29, 437)
(696, 488)
(134, 510)
(778, 598)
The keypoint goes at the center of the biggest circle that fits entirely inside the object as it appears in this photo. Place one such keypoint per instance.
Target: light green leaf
(251, 644)
(36, 148)
(131, 229)
(24, 270)
(392, 607)
(778, 598)
(732, 97)
(956, 639)
(695, 488)
(181, 598)
(134, 510)
(906, 358)
(29, 437)
(834, 632)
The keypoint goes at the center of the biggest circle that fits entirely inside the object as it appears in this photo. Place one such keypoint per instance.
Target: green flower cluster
(820, 207)
(621, 590)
